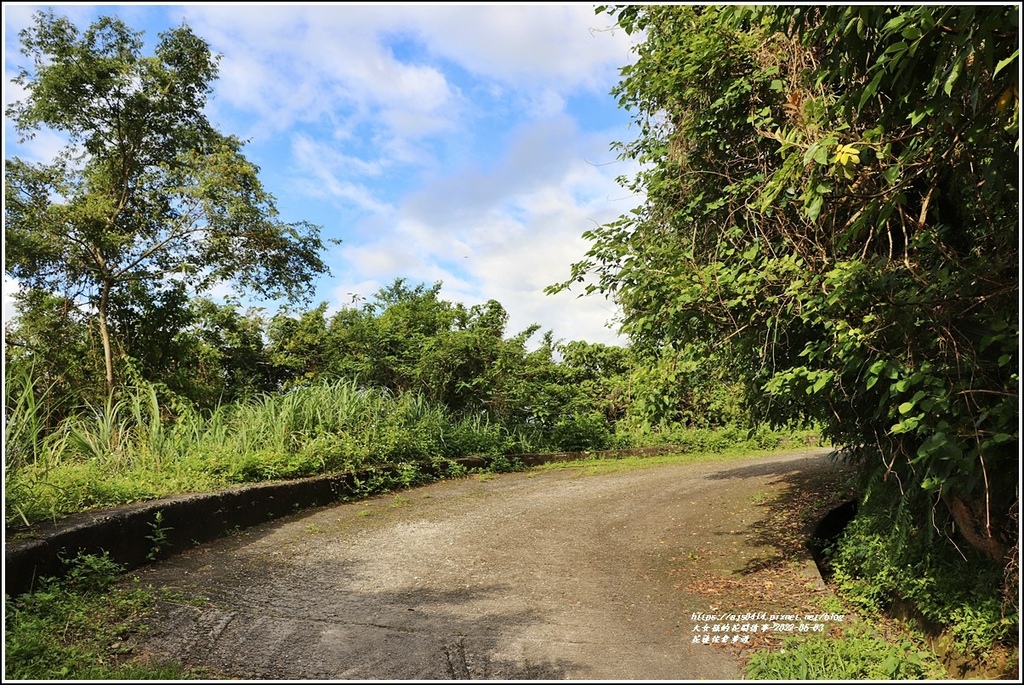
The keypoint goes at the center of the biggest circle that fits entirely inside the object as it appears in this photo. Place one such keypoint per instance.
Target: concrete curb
(134, 535)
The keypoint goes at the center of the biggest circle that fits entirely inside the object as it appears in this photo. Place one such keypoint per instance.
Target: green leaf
(895, 23)
(896, 48)
(954, 74)
(870, 90)
(820, 155)
(906, 407)
(917, 116)
(813, 208)
(911, 33)
(1003, 63)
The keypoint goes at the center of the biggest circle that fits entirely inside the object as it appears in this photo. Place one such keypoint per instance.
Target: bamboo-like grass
(138, 446)
(144, 444)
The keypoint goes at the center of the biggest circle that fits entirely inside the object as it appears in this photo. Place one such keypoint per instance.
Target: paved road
(534, 575)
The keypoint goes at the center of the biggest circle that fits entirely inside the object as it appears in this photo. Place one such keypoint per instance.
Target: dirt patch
(534, 575)
(781, 579)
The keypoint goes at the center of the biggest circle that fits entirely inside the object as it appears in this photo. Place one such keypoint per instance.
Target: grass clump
(857, 654)
(80, 628)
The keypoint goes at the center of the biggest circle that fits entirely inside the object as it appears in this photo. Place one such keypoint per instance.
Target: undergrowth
(906, 581)
(887, 558)
(858, 654)
(80, 628)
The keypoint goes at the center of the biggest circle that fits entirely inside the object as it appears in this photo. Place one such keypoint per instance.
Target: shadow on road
(803, 492)
(781, 467)
(260, 618)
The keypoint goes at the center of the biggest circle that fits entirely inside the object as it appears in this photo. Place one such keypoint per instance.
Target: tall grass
(138, 447)
(144, 444)
(28, 421)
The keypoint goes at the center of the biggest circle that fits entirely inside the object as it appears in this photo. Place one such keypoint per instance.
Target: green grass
(597, 465)
(81, 628)
(858, 654)
(143, 446)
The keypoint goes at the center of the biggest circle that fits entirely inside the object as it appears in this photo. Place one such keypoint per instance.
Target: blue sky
(462, 143)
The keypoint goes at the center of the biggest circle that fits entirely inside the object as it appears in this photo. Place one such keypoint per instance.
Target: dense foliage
(859, 654)
(831, 201)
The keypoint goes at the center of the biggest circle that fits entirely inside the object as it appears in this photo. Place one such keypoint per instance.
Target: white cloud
(322, 171)
(324, 64)
(506, 233)
(526, 45)
(10, 290)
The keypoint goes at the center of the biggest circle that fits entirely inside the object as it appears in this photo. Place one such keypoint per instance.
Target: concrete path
(559, 574)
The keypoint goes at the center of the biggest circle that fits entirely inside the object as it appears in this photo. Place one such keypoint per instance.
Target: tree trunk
(972, 523)
(108, 353)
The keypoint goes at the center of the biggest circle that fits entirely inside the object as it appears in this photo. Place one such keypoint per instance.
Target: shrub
(858, 654)
(582, 432)
(887, 555)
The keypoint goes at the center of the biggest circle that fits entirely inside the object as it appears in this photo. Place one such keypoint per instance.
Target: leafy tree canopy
(831, 201)
(146, 198)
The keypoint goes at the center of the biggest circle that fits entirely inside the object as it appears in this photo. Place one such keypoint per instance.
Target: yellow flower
(846, 154)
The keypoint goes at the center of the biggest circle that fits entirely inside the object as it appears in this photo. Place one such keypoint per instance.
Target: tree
(146, 198)
(57, 348)
(831, 201)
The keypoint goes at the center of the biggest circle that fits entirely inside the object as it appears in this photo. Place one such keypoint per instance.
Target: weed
(504, 463)
(886, 557)
(454, 469)
(158, 536)
(313, 529)
(830, 604)
(179, 597)
(858, 654)
(78, 628)
(409, 475)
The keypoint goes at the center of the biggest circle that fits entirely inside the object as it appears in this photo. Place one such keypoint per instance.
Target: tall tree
(147, 196)
(832, 200)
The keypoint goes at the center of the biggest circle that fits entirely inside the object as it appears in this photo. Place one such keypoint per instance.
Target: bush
(582, 432)
(887, 555)
(857, 655)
